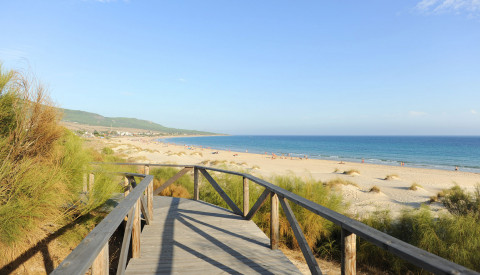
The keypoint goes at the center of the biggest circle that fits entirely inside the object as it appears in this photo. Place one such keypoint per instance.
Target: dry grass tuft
(352, 172)
(392, 177)
(415, 186)
(374, 189)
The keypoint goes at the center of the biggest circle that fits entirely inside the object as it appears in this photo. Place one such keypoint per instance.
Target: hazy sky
(406, 67)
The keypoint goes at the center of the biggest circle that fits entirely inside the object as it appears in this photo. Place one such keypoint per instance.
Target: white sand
(395, 194)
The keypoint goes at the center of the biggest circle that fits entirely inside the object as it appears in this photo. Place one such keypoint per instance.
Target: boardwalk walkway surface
(195, 237)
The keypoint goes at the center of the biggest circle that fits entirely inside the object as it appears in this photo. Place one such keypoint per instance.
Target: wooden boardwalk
(194, 237)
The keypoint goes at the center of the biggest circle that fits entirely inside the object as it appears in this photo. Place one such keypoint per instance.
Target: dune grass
(391, 177)
(41, 167)
(351, 172)
(374, 189)
(414, 187)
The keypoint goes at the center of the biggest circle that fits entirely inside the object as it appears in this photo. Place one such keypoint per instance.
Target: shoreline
(395, 194)
(374, 161)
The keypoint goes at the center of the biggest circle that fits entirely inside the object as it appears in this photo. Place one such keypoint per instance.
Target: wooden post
(349, 253)
(126, 182)
(149, 193)
(246, 197)
(150, 200)
(85, 183)
(196, 188)
(136, 232)
(274, 222)
(101, 264)
(91, 181)
(146, 170)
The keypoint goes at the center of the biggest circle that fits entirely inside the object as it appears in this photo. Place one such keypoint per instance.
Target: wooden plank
(349, 253)
(172, 180)
(258, 204)
(196, 187)
(246, 197)
(194, 237)
(101, 264)
(122, 261)
(136, 230)
(274, 222)
(302, 242)
(222, 193)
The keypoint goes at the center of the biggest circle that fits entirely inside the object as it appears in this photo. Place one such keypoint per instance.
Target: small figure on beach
(363, 161)
(456, 168)
(341, 162)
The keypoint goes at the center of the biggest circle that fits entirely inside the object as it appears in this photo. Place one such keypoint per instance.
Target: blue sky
(257, 67)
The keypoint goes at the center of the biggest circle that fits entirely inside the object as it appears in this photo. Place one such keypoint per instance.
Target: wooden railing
(93, 250)
(91, 247)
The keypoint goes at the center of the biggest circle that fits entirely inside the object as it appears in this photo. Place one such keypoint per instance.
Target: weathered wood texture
(196, 187)
(222, 193)
(349, 253)
(100, 265)
(83, 256)
(274, 222)
(302, 242)
(246, 197)
(136, 230)
(194, 237)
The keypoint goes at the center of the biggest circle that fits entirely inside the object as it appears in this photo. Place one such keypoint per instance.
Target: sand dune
(394, 192)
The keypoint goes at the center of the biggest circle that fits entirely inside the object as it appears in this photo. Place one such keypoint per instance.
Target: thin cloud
(473, 112)
(182, 80)
(471, 7)
(127, 94)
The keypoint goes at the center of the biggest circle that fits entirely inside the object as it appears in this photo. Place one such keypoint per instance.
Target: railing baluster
(172, 180)
(222, 193)
(136, 231)
(274, 222)
(258, 204)
(150, 200)
(196, 188)
(246, 197)
(101, 264)
(122, 262)
(349, 253)
(302, 242)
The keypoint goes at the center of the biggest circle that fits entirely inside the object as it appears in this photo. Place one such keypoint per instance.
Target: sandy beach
(394, 194)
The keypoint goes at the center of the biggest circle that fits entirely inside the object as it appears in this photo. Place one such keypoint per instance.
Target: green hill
(93, 119)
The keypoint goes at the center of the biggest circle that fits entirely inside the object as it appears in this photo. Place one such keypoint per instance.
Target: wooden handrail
(83, 256)
(350, 227)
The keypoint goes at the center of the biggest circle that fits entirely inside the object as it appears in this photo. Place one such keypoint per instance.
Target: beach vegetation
(460, 202)
(414, 186)
(338, 181)
(336, 170)
(391, 177)
(42, 167)
(107, 151)
(351, 172)
(374, 189)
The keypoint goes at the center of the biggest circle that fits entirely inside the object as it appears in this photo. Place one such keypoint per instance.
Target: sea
(431, 152)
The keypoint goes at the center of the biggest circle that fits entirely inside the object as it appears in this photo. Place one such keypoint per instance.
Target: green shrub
(107, 151)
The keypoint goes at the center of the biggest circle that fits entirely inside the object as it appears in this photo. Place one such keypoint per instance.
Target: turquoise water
(426, 152)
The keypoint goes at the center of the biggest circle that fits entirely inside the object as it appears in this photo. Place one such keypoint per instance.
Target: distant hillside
(93, 119)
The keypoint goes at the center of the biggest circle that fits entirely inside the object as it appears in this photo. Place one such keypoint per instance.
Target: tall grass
(41, 164)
